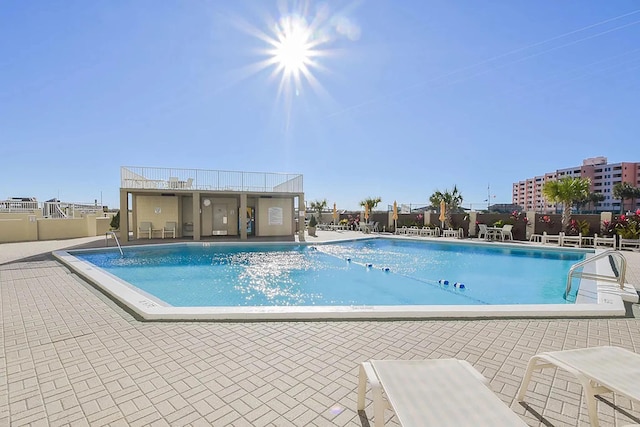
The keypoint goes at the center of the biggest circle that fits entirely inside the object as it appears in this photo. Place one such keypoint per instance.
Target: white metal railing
(19, 206)
(69, 210)
(50, 209)
(135, 177)
(615, 278)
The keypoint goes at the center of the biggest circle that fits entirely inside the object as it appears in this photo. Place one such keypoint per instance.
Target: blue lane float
(443, 282)
(458, 285)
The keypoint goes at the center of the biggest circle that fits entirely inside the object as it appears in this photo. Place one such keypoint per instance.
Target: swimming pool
(368, 278)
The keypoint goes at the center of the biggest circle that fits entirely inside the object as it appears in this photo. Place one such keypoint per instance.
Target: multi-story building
(603, 176)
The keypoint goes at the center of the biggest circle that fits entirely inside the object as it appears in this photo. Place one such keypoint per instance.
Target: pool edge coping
(610, 303)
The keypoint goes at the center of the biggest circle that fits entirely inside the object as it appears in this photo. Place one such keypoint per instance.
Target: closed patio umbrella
(395, 214)
(335, 215)
(443, 208)
(366, 212)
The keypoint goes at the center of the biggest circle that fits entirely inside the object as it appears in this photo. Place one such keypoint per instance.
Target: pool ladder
(106, 239)
(616, 278)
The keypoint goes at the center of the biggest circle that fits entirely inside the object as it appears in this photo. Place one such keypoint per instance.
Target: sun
(297, 46)
(292, 53)
(293, 48)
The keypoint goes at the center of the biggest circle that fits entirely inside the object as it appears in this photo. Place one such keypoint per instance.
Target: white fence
(134, 177)
(50, 209)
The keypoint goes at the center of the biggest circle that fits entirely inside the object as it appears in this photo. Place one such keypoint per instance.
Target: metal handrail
(619, 279)
(113, 233)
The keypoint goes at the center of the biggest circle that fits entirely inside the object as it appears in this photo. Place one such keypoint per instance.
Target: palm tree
(567, 191)
(591, 201)
(370, 203)
(452, 201)
(624, 190)
(594, 199)
(319, 206)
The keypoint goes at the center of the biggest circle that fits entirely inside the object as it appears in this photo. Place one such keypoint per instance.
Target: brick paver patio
(70, 356)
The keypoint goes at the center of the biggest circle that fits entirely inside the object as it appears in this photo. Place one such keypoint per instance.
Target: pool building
(202, 203)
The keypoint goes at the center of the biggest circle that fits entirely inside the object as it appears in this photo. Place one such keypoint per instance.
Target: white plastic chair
(169, 227)
(483, 232)
(506, 232)
(145, 228)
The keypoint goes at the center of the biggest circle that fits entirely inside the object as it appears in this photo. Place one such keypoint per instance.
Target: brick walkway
(70, 356)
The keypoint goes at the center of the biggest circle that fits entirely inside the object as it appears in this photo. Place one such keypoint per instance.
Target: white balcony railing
(134, 177)
(50, 209)
(19, 206)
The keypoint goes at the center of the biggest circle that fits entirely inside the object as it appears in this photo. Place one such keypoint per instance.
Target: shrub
(115, 222)
(626, 226)
(577, 227)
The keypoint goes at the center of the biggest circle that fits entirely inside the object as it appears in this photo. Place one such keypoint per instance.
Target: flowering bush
(577, 227)
(626, 226)
(546, 219)
(519, 216)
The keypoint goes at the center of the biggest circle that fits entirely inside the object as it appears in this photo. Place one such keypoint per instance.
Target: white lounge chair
(535, 238)
(599, 370)
(169, 228)
(450, 233)
(552, 238)
(438, 392)
(145, 227)
(604, 241)
(629, 244)
(572, 240)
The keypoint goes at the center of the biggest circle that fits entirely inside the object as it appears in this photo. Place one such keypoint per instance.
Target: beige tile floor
(70, 356)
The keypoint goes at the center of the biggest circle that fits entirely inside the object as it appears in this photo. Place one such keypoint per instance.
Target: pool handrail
(113, 233)
(619, 278)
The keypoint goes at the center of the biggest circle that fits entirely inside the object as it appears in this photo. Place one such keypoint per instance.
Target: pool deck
(70, 356)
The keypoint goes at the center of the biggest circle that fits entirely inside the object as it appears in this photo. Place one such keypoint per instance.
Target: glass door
(251, 221)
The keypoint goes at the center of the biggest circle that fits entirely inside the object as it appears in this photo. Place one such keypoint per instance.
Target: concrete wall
(18, 228)
(157, 210)
(60, 228)
(27, 227)
(263, 227)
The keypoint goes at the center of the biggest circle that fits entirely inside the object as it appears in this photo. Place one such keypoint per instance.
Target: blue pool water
(365, 272)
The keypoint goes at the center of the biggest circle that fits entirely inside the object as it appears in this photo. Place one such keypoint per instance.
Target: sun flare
(293, 49)
(297, 46)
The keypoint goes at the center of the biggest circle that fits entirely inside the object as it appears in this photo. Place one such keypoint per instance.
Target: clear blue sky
(405, 97)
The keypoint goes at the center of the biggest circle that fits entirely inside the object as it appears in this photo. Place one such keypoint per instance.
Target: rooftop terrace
(137, 177)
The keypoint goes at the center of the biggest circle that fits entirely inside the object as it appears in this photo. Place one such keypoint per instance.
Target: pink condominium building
(603, 176)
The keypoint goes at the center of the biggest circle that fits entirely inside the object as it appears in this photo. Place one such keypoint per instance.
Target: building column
(605, 216)
(196, 216)
(530, 229)
(473, 228)
(124, 215)
(242, 216)
(301, 215)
